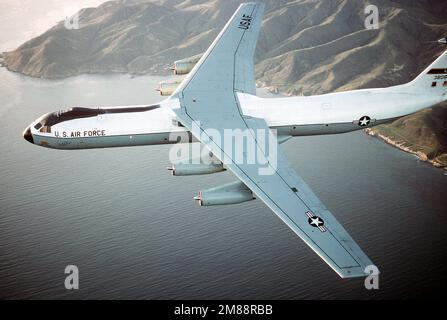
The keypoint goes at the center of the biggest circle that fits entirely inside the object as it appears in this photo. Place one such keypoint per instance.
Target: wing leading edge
(209, 102)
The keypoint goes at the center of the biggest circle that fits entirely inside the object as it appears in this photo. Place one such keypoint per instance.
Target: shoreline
(160, 69)
(400, 145)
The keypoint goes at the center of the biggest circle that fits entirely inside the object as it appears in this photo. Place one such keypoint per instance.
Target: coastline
(158, 69)
(401, 145)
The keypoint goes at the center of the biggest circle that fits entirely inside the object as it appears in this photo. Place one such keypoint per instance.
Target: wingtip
(355, 272)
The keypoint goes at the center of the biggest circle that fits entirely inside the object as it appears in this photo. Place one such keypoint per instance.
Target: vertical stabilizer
(433, 78)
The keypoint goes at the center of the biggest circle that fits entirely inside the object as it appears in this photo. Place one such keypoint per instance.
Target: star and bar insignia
(316, 221)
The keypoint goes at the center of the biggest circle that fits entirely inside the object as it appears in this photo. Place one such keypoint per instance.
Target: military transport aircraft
(219, 94)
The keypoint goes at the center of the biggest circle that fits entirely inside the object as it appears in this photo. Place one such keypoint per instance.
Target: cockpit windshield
(79, 112)
(45, 123)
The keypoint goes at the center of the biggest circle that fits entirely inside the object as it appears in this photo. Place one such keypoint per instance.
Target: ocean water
(134, 231)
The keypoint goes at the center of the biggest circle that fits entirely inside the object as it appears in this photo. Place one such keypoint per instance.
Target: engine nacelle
(184, 66)
(166, 88)
(230, 193)
(189, 169)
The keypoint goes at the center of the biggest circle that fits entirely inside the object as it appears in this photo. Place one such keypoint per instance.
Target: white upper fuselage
(291, 116)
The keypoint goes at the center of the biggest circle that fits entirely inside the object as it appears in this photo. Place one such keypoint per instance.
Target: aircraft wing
(210, 107)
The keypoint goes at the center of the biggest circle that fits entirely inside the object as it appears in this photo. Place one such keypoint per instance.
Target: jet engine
(191, 169)
(166, 88)
(206, 163)
(184, 66)
(230, 193)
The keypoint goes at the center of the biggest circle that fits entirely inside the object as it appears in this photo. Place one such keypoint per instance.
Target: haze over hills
(305, 47)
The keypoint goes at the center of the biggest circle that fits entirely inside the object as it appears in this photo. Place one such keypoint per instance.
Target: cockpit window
(80, 112)
(45, 129)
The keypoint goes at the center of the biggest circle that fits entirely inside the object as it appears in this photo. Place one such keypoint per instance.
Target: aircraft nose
(27, 135)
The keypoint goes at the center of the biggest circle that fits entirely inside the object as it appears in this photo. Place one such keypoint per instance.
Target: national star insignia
(364, 121)
(315, 221)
